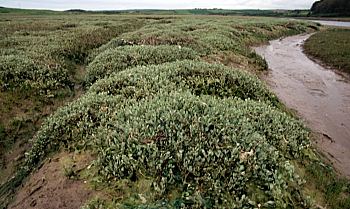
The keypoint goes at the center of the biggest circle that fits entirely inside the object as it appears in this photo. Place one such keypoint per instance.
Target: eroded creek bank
(320, 96)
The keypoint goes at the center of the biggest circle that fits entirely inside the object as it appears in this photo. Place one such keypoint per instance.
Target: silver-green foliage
(222, 151)
(71, 125)
(208, 36)
(200, 78)
(217, 150)
(209, 132)
(142, 83)
(19, 71)
(120, 58)
(226, 152)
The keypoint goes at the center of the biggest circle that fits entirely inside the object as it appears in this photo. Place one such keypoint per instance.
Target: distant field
(332, 47)
(13, 11)
(150, 111)
(245, 12)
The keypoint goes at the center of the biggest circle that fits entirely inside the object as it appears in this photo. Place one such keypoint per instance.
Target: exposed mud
(50, 188)
(319, 95)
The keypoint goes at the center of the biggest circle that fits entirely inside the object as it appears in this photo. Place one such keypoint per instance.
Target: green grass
(15, 11)
(334, 190)
(332, 47)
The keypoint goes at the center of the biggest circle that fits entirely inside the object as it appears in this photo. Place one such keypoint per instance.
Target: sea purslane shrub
(23, 72)
(229, 152)
(218, 149)
(200, 78)
(217, 152)
(120, 58)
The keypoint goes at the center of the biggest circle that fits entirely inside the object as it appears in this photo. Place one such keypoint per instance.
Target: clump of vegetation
(25, 73)
(120, 58)
(41, 68)
(134, 85)
(112, 44)
(78, 45)
(213, 39)
(336, 191)
(199, 77)
(216, 153)
(331, 46)
(250, 142)
(206, 37)
(160, 34)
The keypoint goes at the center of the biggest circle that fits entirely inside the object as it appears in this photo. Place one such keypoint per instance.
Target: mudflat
(320, 95)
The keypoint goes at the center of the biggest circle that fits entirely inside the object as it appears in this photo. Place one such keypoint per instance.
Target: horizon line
(58, 10)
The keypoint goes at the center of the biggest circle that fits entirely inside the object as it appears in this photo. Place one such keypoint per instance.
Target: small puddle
(319, 95)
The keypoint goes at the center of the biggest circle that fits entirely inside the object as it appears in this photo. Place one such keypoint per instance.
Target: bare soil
(49, 187)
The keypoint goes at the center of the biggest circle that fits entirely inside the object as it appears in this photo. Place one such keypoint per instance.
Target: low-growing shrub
(200, 78)
(232, 153)
(257, 60)
(108, 95)
(72, 124)
(218, 42)
(160, 35)
(112, 44)
(24, 73)
(218, 152)
(210, 36)
(120, 58)
(76, 46)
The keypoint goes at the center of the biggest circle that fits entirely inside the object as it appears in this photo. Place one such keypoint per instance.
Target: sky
(156, 4)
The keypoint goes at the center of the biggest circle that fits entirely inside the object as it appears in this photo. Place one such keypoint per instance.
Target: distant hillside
(4, 10)
(76, 10)
(331, 8)
(244, 12)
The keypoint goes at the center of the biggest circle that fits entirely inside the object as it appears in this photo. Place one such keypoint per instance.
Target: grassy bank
(168, 107)
(332, 47)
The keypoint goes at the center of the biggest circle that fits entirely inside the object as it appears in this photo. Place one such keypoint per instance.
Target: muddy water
(333, 23)
(319, 95)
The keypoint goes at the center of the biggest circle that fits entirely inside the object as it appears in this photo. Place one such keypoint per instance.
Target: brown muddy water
(333, 23)
(320, 96)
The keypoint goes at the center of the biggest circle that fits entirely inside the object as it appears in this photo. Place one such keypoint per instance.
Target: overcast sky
(157, 4)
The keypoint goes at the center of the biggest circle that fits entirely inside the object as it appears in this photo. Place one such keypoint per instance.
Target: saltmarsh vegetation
(214, 149)
(42, 62)
(332, 47)
(21, 72)
(120, 58)
(198, 77)
(170, 130)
